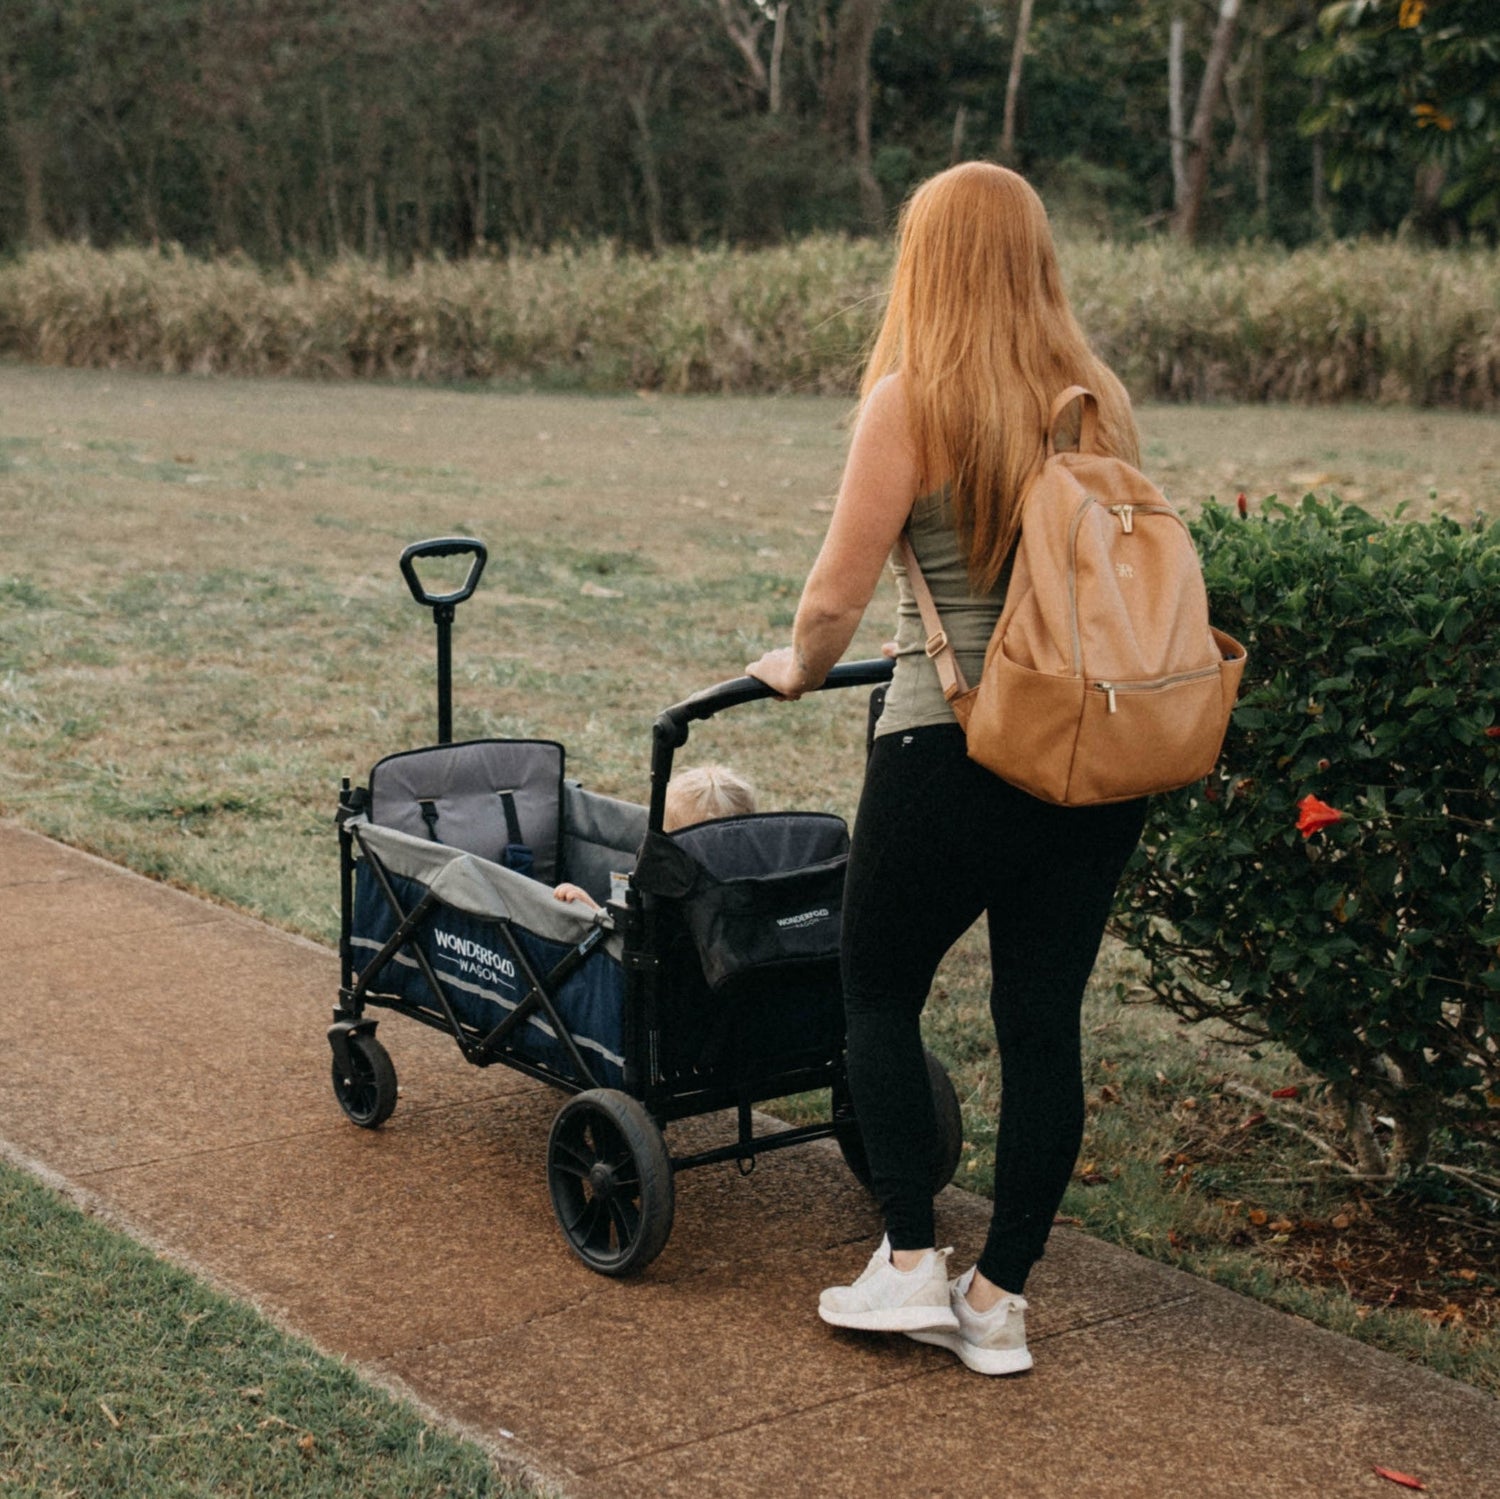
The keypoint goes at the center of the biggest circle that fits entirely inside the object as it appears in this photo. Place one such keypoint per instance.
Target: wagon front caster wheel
(366, 1087)
(947, 1148)
(611, 1181)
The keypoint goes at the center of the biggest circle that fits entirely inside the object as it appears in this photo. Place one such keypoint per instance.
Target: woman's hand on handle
(779, 670)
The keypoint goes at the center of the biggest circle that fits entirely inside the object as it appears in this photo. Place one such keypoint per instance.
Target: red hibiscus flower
(1242, 504)
(1315, 816)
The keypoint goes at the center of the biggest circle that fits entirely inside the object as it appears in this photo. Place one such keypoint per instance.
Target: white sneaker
(885, 1299)
(992, 1342)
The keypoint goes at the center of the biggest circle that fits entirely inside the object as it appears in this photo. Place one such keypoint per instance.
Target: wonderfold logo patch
(806, 918)
(474, 959)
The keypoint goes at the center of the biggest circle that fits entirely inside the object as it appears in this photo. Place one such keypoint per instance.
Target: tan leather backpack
(1103, 680)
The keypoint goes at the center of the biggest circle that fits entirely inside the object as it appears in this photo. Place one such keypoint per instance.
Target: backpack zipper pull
(1127, 516)
(1108, 689)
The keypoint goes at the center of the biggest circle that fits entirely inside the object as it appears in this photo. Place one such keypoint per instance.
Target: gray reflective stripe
(585, 1043)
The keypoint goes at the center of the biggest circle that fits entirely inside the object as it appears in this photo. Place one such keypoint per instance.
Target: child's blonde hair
(703, 793)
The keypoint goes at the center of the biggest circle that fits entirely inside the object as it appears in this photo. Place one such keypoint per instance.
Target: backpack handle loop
(1088, 422)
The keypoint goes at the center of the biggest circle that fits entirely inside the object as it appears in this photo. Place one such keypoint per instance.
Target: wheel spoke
(626, 1218)
(569, 1158)
(591, 1228)
(610, 1141)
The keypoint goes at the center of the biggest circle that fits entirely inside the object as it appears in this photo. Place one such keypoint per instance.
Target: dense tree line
(409, 127)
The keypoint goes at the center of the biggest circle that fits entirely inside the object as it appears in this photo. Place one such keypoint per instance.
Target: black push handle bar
(670, 731)
(443, 546)
(672, 722)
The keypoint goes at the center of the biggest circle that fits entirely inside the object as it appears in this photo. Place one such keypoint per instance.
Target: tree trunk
(1416, 1117)
(1321, 220)
(745, 34)
(645, 148)
(960, 119)
(778, 43)
(481, 191)
(1368, 1155)
(330, 174)
(1174, 113)
(27, 140)
(372, 220)
(1259, 143)
(1185, 220)
(847, 105)
(1013, 83)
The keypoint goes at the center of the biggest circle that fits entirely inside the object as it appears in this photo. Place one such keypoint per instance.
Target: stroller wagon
(707, 980)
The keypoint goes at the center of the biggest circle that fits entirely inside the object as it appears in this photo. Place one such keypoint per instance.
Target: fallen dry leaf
(1259, 1216)
(306, 1444)
(1450, 1315)
(1253, 1120)
(1341, 1221)
(1404, 1479)
(1286, 1093)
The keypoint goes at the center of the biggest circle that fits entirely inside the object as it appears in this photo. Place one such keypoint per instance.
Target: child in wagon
(693, 796)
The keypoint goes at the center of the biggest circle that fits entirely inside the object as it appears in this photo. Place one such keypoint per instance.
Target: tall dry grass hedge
(1367, 322)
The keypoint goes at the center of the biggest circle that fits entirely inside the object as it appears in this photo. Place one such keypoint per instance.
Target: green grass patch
(120, 1374)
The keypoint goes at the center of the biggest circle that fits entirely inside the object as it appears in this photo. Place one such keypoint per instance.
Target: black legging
(938, 839)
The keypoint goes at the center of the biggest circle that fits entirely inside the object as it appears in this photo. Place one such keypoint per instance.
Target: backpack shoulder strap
(1088, 422)
(939, 648)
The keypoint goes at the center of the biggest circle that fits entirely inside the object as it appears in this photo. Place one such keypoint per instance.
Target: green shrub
(1368, 946)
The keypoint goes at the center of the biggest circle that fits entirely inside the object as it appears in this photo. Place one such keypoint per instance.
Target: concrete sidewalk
(165, 1058)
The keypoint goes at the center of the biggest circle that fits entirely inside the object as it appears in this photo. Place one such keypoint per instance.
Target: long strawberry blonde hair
(979, 327)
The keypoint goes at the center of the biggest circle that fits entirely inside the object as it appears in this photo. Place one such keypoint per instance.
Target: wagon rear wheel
(611, 1181)
(366, 1088)
(948, 1146)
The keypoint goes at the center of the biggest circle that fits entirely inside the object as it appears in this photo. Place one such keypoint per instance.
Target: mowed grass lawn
(202, 628)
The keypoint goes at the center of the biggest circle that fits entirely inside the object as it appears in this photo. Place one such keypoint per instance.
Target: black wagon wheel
(611, 1181)
(950, 1128)
(366, 1088)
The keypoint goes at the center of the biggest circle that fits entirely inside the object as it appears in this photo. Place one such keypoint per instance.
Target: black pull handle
(442, 606)
(443, 546)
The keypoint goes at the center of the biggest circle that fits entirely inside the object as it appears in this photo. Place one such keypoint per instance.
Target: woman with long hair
(977, 341)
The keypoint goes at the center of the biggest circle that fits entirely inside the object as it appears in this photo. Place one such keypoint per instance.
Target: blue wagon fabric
(482, 908)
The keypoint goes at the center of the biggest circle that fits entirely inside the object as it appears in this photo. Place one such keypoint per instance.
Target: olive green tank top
(915, 697)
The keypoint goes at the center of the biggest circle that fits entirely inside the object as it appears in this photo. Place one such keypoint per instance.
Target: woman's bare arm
(880, 482)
